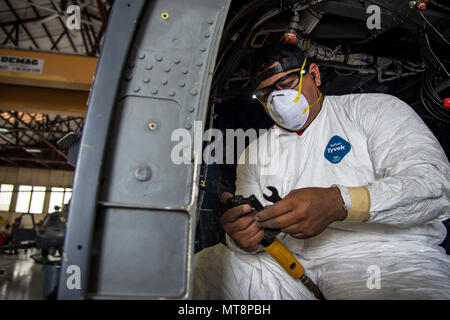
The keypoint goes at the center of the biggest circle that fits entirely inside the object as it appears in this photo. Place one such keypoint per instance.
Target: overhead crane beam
(59, 71)
(43, 100)
(58, 83)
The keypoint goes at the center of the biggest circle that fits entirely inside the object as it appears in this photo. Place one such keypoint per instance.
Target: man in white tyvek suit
(365, 186)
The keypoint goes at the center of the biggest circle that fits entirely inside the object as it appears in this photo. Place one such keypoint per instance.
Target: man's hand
(304, 213)
(239, 223)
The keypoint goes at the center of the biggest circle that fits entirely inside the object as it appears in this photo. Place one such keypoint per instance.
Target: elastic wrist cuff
(360, 204)
(345, 196)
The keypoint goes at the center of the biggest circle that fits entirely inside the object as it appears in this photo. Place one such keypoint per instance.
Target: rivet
(141, 55)
(167, 69)
(202, 49)
(128, 76)
(181, 83)
(152, 125)
(188, 125)
(191, 108)
(199, 63)
(131, 64)
(171, 92)
(164, 81)
(176, 60)
(155, 91)
(159, 58)
(136, 89)
(146, 79)
(210, 21)
(194, 92)
(143, 173)
(185, 71)
(206, 35)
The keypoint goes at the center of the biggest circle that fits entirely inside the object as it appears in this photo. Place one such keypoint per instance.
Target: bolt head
(143, 173)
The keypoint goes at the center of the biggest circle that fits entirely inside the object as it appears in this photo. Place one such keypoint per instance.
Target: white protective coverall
(387, 248)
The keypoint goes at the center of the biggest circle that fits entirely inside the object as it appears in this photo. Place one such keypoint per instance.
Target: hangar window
(30, 199)
(67, 195)
(59, 197)
(37, 200)
(23, 199)
(56, 199)
(6, 191)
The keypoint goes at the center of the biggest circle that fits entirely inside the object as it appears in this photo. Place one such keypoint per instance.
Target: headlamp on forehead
(288, 81)
(286, 64)
(289, 56)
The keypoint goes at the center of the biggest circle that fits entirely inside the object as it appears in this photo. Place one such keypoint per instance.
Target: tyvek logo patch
(336, 149)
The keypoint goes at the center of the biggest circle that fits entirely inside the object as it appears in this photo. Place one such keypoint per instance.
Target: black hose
(431, 100)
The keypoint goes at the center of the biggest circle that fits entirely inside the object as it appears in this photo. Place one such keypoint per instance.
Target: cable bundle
(431, 100)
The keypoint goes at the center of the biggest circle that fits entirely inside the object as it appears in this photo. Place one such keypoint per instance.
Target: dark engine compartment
(405, 57)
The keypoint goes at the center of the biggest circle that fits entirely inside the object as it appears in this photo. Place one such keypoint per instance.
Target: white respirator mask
(288, 107)
(287, 110)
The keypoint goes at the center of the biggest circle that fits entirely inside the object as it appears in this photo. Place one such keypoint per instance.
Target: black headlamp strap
(286, 64)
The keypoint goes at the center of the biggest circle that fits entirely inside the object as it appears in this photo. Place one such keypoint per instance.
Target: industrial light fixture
(4, 130)
(30, 150)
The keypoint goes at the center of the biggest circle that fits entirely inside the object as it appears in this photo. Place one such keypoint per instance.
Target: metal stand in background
(21, 237)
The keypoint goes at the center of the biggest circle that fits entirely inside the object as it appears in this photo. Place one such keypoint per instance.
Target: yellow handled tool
(282, 255)
(292, 266)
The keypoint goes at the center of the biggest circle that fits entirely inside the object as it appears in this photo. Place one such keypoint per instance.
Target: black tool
(270, 234)
(274, 197)
(252, 201)
(239, 200)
